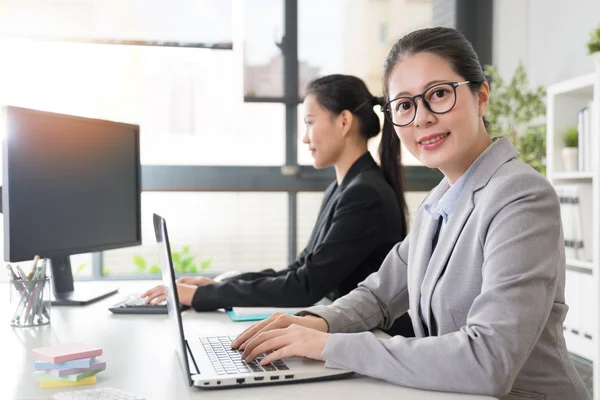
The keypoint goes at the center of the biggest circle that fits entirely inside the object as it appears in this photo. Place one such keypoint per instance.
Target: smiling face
(324, 133)
(450, 141)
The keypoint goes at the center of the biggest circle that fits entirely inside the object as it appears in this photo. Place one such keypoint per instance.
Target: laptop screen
(168, 276)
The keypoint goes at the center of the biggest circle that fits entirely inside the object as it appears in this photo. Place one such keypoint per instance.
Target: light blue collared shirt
(443, 199)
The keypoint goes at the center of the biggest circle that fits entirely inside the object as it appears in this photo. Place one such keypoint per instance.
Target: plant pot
(570, 158)
(596, 57)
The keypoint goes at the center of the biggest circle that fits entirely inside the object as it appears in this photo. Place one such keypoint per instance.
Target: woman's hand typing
(287, 335)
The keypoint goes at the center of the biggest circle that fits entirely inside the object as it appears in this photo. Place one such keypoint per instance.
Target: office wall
(549, 36)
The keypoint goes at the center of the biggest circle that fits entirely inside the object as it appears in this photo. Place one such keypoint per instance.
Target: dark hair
(447, 43)
(337, 93)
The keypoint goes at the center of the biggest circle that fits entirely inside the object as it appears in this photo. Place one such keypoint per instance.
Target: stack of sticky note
(67, 365)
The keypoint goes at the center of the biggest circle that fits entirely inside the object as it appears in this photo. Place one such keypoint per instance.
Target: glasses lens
(441, 98)
(402, 110)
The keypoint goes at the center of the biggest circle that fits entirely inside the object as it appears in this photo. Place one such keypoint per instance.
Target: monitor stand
(64, 293)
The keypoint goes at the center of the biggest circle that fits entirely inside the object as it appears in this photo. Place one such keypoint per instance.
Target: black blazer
(358, 224)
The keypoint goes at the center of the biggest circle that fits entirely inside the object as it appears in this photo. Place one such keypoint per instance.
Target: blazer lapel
(326, 215)
(363, 163)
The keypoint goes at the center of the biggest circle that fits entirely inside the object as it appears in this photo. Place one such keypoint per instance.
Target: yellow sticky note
(50, 384)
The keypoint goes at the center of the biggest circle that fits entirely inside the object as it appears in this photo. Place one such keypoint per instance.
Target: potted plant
(183, 263)
(570, 152)
(518, 112)
(594, 43)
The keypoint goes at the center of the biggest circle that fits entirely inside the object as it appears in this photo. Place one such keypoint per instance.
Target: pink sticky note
(66, 352)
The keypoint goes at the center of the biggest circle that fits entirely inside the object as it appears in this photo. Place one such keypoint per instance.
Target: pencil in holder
(30, 302)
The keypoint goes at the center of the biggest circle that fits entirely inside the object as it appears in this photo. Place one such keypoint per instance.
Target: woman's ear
(483, 96)
(346, 118)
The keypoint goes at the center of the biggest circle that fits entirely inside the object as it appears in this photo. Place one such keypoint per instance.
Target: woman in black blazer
(362, 217)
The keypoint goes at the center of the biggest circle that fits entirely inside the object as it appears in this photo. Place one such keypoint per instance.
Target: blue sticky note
(82, 363)
(241, 314)
(242, 318)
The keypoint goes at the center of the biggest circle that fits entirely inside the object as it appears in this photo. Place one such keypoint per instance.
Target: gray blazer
(493, 293)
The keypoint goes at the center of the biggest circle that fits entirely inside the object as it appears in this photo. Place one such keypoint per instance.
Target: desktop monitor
(71, 185)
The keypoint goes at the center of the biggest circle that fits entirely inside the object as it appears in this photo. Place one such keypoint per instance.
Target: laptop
(209, 362)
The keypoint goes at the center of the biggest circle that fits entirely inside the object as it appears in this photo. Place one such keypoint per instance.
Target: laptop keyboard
(225, 360)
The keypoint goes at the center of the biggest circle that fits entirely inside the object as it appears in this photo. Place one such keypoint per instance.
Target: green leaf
(105, 271)
(176, 257)
(192, 269)
(185, 249)
(177, 267)
(206, 264)
(186, 263)
(154, 269)
(593, 44)
(81, 268)
(570, 137)
(140, 263)
(532, 147)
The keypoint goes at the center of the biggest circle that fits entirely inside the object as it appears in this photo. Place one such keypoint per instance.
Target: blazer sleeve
(352, 236)
(522, 256)
(248, 276)
(269, 273)
(376, 302)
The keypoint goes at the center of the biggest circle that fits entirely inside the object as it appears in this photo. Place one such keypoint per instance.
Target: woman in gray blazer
(482, 270)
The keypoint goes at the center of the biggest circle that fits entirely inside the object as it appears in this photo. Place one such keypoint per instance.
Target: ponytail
(390, 158)
(337, 93)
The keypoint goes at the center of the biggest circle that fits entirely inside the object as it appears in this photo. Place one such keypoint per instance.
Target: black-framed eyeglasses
(438, 99)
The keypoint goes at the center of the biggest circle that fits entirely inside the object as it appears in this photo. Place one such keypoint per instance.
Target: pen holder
(30, 302)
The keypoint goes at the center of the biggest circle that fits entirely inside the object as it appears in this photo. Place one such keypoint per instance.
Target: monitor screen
(71, 185)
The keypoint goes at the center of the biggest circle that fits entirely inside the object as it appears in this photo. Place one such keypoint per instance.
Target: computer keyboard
(134, 304)
(96, 394)
(226, 360)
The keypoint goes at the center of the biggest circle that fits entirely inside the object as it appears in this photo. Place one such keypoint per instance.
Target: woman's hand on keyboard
(278, 321)
(196, 280)
(295, 340)
(157, 294)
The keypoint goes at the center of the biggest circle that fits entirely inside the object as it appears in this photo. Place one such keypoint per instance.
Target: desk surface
(140, 356)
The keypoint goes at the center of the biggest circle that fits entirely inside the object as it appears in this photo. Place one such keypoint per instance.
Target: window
(353, 37)
(263, 60)
(321, 23)
(183, 99)
(235, 231)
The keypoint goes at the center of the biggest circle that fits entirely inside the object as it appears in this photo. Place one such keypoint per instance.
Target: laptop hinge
(187, 346)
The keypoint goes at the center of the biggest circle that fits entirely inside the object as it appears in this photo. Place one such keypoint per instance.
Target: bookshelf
(572, 176)
(565, 100)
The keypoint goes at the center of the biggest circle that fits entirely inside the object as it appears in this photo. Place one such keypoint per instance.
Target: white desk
(140, 357)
